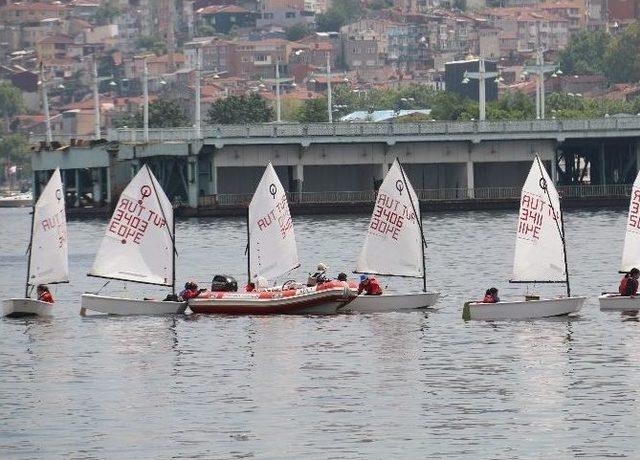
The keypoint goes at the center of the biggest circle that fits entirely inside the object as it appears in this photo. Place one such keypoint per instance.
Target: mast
(560, 227)
(423, 241)
(248, 249)
(33, 216)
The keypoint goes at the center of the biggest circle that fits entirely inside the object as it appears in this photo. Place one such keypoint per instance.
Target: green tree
(313, 110)
(162, 114)
(585, 53)
(339, 14)
(380, 4)
(622, 58)
(10, 102)
(106, 13)
(512, 106)
(151, 43)
(297, 31)
(240, 109)
(14, 150)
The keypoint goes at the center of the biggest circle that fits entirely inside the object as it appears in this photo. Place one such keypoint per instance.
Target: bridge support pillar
(298, 180)
(470, 180)
(192, 181)
(603, 173)
(636, 146)
(78, 189)
(379, 173)
(554, 166)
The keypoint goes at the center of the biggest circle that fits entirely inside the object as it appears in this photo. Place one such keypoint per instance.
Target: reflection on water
(421, 384)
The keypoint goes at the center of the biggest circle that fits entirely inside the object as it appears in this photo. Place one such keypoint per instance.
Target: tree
(10, 102)
(585, 53)
(380, 4)
(297, 31)
(14, 150)
(162, 114)
(621, 60)
(106, 13)
(240, 109)
(339, 14)
(313, 110)
(460, 4)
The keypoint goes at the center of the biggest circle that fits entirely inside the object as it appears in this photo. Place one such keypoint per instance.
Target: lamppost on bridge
(277, 82)
(481, 75)
(45, 105)
(540, 68)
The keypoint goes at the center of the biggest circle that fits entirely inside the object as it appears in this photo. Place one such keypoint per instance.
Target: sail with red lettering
(393, 244)
(539, 252)
(272, 242)
(138, 243)
(48, 258)
(631, 250)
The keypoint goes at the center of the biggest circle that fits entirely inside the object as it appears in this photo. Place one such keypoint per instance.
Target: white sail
(539, 253)
(631, 250)
(48, 261)
(138, 244)
(393, 242)
(272, 247)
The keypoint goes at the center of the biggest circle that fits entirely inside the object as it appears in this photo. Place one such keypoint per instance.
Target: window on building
(290, 15)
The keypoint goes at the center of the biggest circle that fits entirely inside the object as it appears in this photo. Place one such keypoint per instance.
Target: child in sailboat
(491, 296)
(43, 294)
(191, 291)
(319, 276)
(369, 286)
(629, 284)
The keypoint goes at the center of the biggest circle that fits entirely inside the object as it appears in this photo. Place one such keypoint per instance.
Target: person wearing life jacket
(191, 291)
(369, 286)
(491, 296)
(250, 287)
(43, 294)
(319, 277)
(629, 283)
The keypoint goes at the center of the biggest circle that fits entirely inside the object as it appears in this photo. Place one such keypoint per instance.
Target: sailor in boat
(491, 296)
(369, 286)
(342, 277)
(191, 291)
(629, 284)
(43, 294)
(319, 277)
(250, 287)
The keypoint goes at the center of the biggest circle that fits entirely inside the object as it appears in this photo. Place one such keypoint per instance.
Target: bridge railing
(444, 194)
(297, 130)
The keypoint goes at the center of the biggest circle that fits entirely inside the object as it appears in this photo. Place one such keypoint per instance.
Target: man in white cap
(319, 276)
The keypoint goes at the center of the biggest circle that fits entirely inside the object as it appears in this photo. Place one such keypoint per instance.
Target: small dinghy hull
(26, 307)
(522, 310)
(617, 302)
(307, 301)
(126, 307)
(388, 302)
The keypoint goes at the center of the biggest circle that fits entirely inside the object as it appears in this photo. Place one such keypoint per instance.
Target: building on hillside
(257, 59)
(215, 54)
(29, 13)
(283, 13)
(58, 47)
(360, 54)
(225, 17)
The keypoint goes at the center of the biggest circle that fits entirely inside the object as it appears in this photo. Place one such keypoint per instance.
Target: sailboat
(138, 246)
(48, 251)
(394, 246)
(630, 255)
(272, 252)
(540, 255)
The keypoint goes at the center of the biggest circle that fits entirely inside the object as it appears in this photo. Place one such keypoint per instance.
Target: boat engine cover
(224, 283)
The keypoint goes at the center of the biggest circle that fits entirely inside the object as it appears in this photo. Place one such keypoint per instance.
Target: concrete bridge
(464, 160)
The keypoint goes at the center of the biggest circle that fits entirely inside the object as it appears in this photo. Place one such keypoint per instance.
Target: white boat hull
(522, 310)
(617, 302)
(26, 307)
(124, 306)
(391, 302)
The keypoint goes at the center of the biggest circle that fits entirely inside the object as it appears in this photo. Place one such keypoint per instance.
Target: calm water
(413, 385)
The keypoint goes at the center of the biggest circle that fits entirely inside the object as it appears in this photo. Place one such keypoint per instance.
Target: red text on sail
(56, 223)
(533, 211)
(389, 216)
(279, 214)
(131, 220)
(634, 211)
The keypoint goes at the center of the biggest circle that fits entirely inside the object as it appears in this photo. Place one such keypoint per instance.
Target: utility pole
(329, 104)
(197, 114)
(45, 104)
(278, 105)
(96, 98)
(481, 76)
(540, 69)
(145, 97)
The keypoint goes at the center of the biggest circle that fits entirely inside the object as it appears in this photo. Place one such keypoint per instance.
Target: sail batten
(48, 261)
(138, 244)
(539, 251)
(393, 241)
(631, 249)
(272, 242)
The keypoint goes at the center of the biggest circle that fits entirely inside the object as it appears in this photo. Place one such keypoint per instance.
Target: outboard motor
(224, 283)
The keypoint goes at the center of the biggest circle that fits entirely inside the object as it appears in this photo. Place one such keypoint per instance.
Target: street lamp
(540, 68)
(481, 75)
